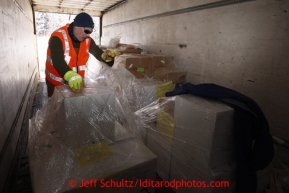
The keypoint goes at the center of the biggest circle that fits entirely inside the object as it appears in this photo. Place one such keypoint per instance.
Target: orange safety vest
(74, 61)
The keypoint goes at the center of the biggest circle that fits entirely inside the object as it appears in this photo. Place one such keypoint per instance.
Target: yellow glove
(74, 80)
(108, 55)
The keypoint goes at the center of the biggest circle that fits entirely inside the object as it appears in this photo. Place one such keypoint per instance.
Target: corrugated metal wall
(18, 69)
(242, 46)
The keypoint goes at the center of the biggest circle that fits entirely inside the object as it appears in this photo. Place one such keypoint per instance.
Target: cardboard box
(139, 66)
(147, 93)
(161, 62)
(142, 92)
(128, 48)
(204, 129)
(153, 90)
(85, 117)
(193, 140)
(194, 131)
(176, 76)
(158, 67)
(162, 148)
(124, 160)
(55, 168)
(159, 137)
(183, 168)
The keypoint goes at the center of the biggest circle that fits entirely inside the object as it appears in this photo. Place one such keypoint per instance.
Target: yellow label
(165, 125)
(163, 88)
(90, 154)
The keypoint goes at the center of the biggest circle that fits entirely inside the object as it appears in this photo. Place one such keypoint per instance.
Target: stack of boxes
(191, 136)
(193, 140)
(160, 133)
(80, 138)
(86, 117)
(164, 70)
(147, 77)
(203, 147)
(85, 143)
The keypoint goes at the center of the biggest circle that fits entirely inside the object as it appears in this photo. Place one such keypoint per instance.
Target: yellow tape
(163, 88)
(166, 125)
(92, 153)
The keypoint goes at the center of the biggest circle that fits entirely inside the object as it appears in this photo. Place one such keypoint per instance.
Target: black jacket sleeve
(57, 53)
(95, 50)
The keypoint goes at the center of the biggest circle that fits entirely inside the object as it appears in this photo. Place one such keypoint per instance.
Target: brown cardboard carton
(176, 76)
(128, 48)
(160, 136)
(160, 62)
(138, 65)
(204, 131)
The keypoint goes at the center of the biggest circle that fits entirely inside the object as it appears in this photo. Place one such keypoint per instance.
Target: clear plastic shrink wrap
(192, 138)
(146, 77)
(119, 123)
(88, 141)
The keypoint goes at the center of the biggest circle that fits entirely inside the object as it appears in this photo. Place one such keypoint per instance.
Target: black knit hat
(83, 20)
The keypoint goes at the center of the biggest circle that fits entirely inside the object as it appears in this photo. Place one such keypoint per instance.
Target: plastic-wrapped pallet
(142, 92)
(105, 166)
(146, 77)
(96, 73)
(85, 117)
(76, 138)
(192, 138)
(152, 121)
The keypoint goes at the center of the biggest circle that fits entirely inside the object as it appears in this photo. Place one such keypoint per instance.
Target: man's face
(81, 33)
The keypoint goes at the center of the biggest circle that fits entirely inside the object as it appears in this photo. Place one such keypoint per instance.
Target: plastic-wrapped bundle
(97, 73)
(150, 66)
(192, 138)
(80, 137)
(146, 77)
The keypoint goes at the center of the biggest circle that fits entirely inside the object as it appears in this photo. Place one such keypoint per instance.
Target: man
(67, 54)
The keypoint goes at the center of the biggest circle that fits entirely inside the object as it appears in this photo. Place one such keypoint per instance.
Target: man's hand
(74, 80)
(108, 55)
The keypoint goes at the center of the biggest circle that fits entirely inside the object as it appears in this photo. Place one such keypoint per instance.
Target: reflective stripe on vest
(54, 77)
(82, 68)
(49, 60)
(67, 48)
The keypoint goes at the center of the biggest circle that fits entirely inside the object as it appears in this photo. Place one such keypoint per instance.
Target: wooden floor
(23, 179)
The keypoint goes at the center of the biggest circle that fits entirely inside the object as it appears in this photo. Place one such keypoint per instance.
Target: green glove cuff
(68, 75)
(112, 51)
(74, 80)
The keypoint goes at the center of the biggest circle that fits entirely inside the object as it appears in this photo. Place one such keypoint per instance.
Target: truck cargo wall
(242, 46)
(18, 72)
